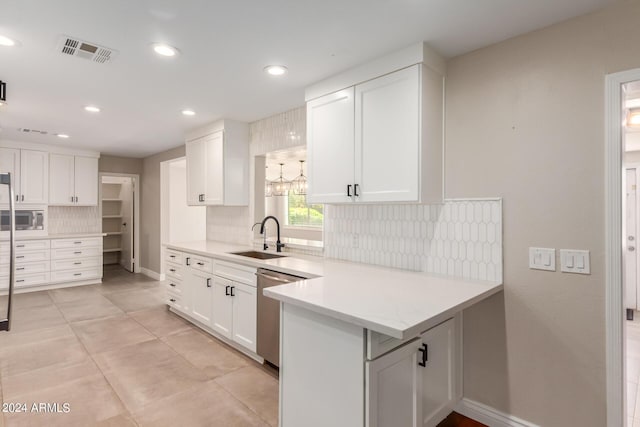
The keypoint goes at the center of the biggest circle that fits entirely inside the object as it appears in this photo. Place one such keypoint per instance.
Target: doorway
(119, 211)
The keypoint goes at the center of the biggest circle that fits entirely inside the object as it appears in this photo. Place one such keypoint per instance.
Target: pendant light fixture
(280, 186)
(268, 187)
(299, 184)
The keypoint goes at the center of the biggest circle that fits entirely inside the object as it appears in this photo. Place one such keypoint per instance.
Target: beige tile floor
(118, 357)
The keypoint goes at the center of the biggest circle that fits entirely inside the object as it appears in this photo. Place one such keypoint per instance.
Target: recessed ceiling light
(164, 49)
(275, 70)
(62, 135)
(6, 41)
(188, 112)
(92, 109)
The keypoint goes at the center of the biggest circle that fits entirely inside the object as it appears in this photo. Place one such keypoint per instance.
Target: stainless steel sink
(257, 255)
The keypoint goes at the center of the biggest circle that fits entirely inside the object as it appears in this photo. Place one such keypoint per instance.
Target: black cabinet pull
(173, 285)
(226, 290)
(77, 274)
(208, 282)
(77, 252)
(355, 190)
(200, 263)
(20, 268)
(188, 258)
(349, 190)
(172, 256)
(77, 263)
(173, 270)
(172, 300)
(19, 280)
(425, 355)
(232, 294)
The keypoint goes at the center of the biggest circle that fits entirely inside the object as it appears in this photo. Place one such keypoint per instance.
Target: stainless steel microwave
(26, 219)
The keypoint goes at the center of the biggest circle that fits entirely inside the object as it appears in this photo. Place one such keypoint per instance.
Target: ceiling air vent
(25, 130)
(86, 50)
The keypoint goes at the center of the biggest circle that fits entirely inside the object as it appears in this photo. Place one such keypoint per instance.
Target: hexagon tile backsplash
(460, 238)
(74, 219)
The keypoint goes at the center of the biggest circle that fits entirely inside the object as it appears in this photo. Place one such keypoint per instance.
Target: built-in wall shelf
(112, 250)
(111, 216)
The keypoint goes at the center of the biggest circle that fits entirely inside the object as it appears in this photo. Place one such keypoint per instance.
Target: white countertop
(51, 236)
(393, 302)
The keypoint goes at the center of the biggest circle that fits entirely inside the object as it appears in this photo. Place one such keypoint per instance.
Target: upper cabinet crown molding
(218, 164)
(48, 148)
(379, 140)
(418, 53)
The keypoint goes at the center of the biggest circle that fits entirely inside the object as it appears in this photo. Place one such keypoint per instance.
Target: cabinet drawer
(236, 272)
(32, 279)
(174, 286)
(201, 263)
(75, 253)
(73, 275)
(175, 271)
(75, 264)
(76, 243)
(41, 255)
(31, 267)
(30, 245)
(175, 302)
(173, 256)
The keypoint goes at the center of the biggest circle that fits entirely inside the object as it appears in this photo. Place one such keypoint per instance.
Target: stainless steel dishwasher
(269, 315)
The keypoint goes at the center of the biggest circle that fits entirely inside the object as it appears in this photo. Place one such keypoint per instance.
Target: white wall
(185, 222)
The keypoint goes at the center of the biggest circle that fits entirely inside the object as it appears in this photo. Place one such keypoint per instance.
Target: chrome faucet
(264, 240)
(279, 245)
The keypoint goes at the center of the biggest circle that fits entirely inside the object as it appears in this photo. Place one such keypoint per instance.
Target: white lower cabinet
(417, 384)
(224, 306)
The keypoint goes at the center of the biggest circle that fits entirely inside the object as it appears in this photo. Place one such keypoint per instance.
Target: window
(299, 214)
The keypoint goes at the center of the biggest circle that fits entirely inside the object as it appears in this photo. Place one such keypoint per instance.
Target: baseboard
(152, 274)
(489, 416)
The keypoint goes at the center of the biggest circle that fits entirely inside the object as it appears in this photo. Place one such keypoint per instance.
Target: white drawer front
(174, 286)
(31, 245)
(76, 253)
(201, 264)
(76, 243)
(174, 270)
(32, 280)
(236, 272)
(41, 255)
(73, 275)
(175, 302)
(75, 264)
(173, 256)
(32, 267)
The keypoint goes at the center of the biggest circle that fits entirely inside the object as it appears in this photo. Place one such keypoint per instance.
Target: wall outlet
(542, 259)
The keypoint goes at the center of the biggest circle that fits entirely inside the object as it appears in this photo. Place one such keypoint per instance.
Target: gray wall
(525, 121)
(150, 240)
(115, 164)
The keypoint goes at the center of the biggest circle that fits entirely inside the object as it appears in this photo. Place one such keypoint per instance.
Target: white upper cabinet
(73, 180)
(10, 163)
(218, 165)
(29, 169)
(86, 181)
(330, 151)
(381, 139)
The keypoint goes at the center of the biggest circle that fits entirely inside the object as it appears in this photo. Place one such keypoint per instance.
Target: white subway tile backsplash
(461, 238)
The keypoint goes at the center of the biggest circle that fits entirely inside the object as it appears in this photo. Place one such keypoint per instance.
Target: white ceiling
(224, 47)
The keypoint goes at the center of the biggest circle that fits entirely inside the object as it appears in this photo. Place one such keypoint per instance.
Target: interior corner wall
(116, 164)
(525, 121)
(150, 240)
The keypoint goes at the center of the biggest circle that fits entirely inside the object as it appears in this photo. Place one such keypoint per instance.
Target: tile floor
(120, 358)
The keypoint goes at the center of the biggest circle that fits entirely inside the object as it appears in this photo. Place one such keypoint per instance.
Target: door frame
(615, 331)
(137, 268)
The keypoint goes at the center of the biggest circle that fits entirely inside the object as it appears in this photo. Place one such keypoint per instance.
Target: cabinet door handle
(71, 199)
(172, 300)
(76, 199)
(77, 243)
(20, 268)
(19, 280)
(17, 198)
(226, 290)
(200, 263)
(232, 294)
(22, 199)
(425, 355)
(349, 190)
(355, 190)
(77, 274)
(172, 256)
(208, 282)
(77, 252)
(187, 260)
(77, 263)
(173, 270)
(173, 285)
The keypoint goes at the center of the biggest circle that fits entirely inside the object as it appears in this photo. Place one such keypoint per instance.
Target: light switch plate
(575, 261)
(542, 259)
